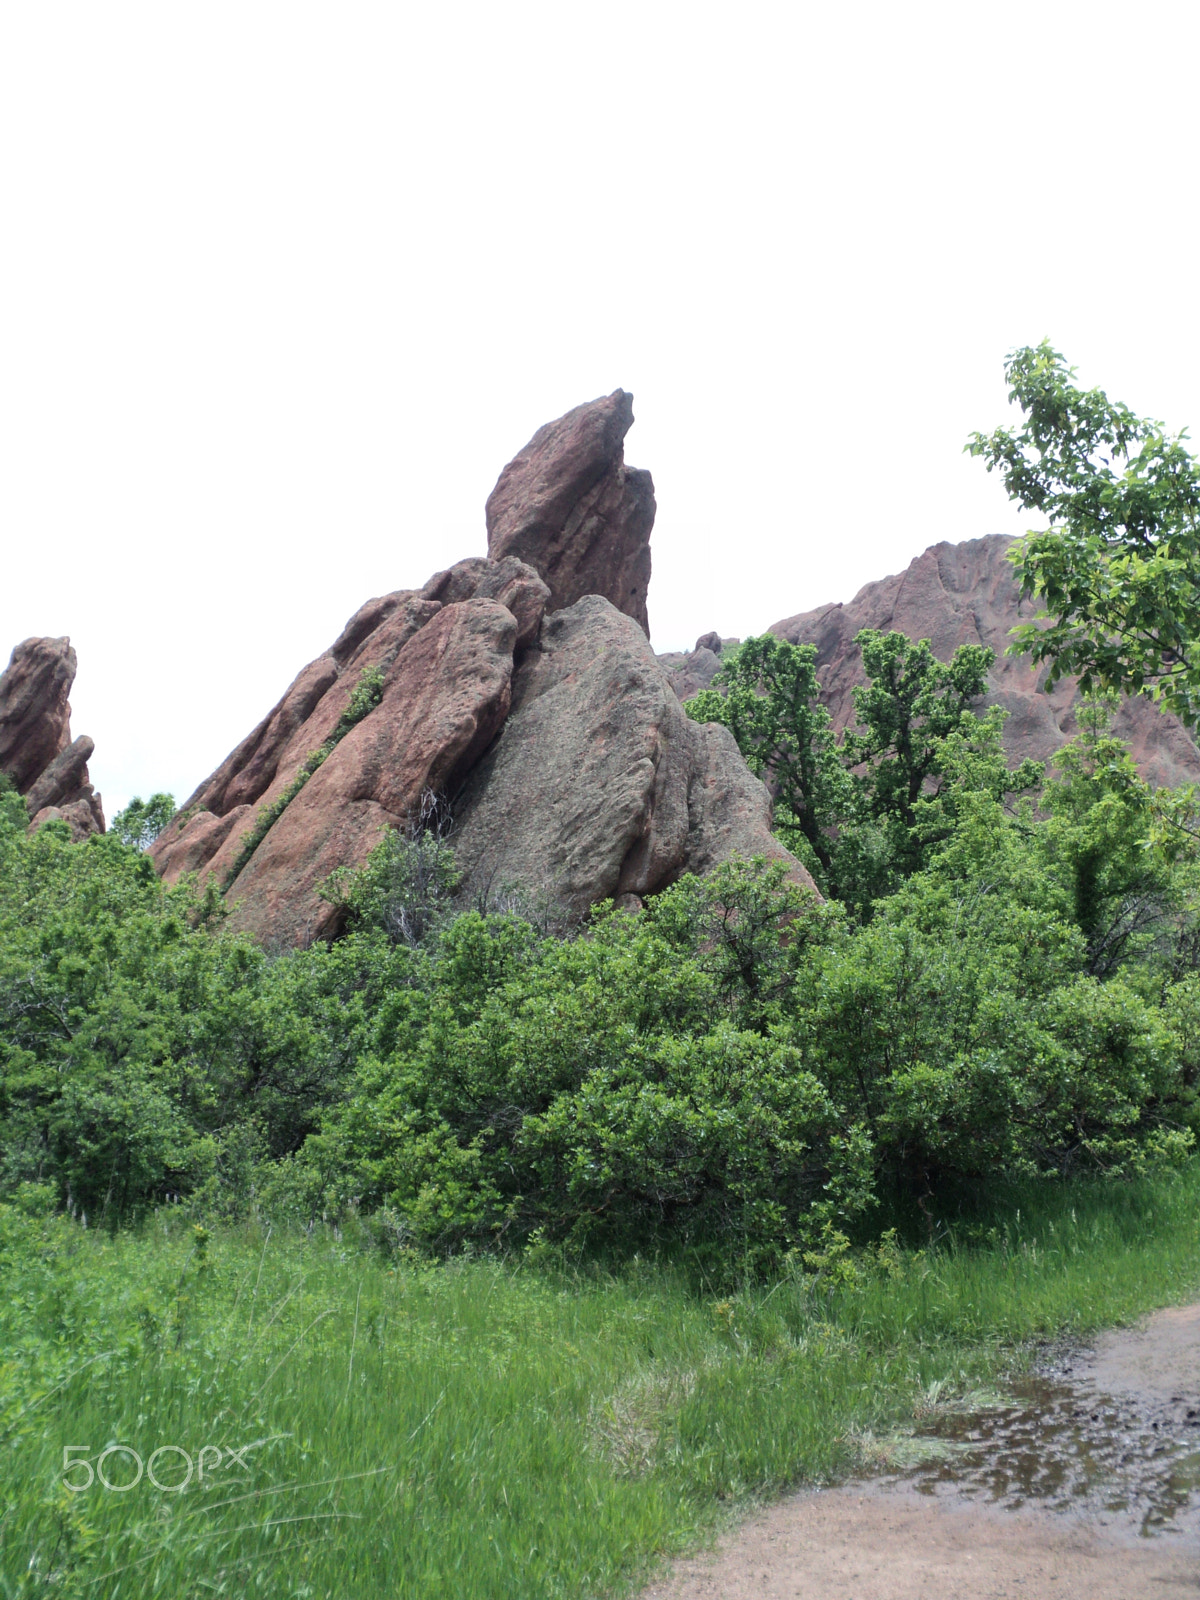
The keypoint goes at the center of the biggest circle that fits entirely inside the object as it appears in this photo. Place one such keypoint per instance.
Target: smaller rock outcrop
(569, 506)
(36, 749)
(693, 670)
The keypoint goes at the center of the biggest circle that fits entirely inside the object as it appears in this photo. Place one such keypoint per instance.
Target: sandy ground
(869, 1541)
(1160, 1359)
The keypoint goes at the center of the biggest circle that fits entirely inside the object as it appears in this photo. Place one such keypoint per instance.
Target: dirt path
(1084, 1482)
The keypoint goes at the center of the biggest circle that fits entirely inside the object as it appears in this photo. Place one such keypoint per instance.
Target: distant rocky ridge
(48, 767)
(520, 687)
(957, 594)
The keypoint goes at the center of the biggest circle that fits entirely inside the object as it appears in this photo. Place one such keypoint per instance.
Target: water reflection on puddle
(1055, 1443)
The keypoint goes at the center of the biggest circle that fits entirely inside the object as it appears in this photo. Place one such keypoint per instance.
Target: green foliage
(739, 1074)
(1099, 842)
(368, 692)
(406, 890)
(142, 821)
(766, 693)
(14, 813)
(622, 1089)
(909, 707)
(864, 814)
(137, 1048)
(1119, 566)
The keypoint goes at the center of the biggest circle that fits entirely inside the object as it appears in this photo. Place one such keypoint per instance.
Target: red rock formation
(569, 506)
(965, 593)
(597, 784)
(35, 717)
(36, 749)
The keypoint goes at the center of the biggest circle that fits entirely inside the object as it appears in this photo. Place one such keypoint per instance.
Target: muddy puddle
(1054, 1440)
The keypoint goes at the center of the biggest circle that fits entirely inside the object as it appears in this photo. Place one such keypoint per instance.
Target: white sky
(282, 287)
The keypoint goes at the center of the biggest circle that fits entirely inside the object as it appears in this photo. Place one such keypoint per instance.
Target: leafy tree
(914, 734)
(766, 693)
(406, 889)
(142, 821)
(859, 813)
(911, 703)
(1118, 569)
(13, 811)
(733, 1072)
(1099, 842)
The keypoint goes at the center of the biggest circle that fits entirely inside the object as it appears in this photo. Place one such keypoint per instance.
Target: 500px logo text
(162, 1468)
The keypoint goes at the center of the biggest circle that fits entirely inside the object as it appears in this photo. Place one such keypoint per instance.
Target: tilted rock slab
(36, 749)
(569, 506)
(967, 593)
(209, 834)
(446, 695)
(599, 784)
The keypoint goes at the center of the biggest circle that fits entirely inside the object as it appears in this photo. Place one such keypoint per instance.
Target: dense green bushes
(737, 1071)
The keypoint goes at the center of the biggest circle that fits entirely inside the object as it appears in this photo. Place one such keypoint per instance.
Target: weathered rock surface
(65, 779)
(35, 716)
(599, 784)
(36, 749)
(268, 759)
(965, 593)
(83, 817)
(514, 585)
(569, 506)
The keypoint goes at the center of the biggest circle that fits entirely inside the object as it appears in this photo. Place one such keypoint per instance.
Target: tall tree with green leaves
(911, 703)
(1118, 567)
(860, 813)
(766, 693)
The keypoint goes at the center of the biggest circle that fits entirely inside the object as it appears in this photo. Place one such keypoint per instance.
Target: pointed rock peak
(568, 506)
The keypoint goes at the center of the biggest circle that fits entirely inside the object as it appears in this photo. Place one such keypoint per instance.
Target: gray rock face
(965, 593)
(569, 506)
(36, 749)
(599, 785)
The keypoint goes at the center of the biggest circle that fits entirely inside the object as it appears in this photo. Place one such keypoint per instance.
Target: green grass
(483, 1430)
